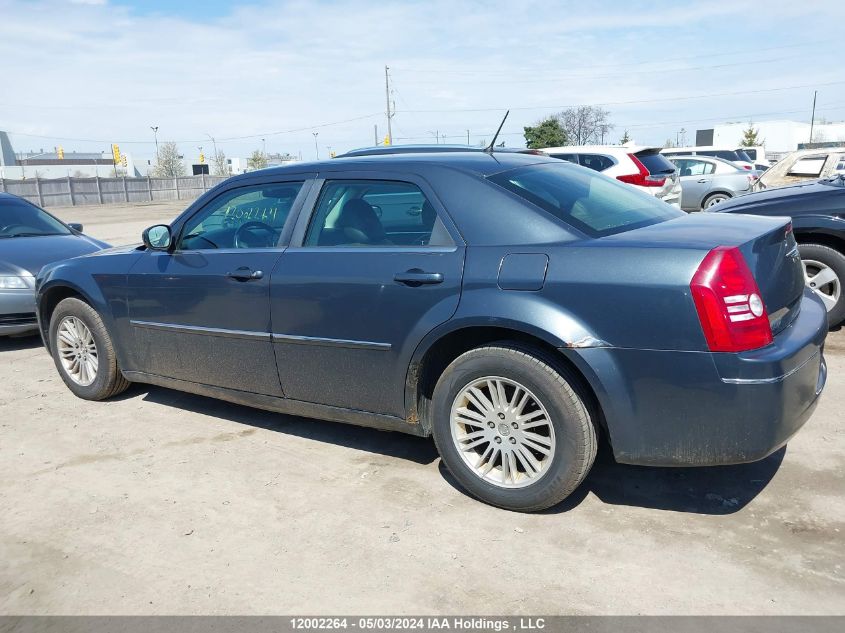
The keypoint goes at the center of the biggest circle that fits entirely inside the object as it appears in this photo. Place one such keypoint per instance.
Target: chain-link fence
(72, 191)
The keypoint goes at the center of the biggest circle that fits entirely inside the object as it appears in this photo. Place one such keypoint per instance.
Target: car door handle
(702, 181)
(245, 274)
(418, 277)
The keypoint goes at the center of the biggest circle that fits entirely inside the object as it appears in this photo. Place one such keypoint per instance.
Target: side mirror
(75, 226)
(157, 238)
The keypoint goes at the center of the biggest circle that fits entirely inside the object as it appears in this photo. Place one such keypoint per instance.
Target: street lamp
(316, 148)
(154, 128)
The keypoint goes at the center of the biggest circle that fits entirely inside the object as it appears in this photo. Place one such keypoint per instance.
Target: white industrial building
(778, 137)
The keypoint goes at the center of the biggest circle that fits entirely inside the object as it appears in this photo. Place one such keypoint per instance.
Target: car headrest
(359, 222)
(428, 215)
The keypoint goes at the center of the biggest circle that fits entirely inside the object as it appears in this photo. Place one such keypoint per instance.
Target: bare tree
(258, 160)
(219, 165)
(169, 163)
(586, 124)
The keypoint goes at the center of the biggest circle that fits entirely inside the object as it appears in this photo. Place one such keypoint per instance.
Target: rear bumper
(669, 408)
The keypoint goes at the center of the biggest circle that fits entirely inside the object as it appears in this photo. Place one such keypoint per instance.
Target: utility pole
(316, 148)
(467, 137)
(375, 135)
(813, 118)
(387, 100)
(264, 147)
(154, 128)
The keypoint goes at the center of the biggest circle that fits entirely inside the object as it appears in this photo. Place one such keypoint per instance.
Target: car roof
(696, 148)
(631, 149)
(478, 162)
(427, 149)
(703, 158)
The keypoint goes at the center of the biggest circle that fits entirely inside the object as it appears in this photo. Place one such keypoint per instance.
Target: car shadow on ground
(399, 445)
(715, 490)
(17, 343)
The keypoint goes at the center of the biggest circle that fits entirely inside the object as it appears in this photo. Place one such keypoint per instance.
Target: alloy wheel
(823, 281)
(502, 432)
(77, 351)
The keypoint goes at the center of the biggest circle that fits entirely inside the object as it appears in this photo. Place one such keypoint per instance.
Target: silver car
(706, 181)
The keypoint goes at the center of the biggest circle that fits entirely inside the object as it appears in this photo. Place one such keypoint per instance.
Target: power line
(227, 138)
(633, 102)
(651, 61)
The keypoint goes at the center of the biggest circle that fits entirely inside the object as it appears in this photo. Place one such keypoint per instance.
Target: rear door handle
(418, 277)
(245, 274)
(702, 181)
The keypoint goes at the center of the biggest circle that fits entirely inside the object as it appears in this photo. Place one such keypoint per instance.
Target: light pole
(216, 156)
(154, 128)
(316, 148)
(264, 147)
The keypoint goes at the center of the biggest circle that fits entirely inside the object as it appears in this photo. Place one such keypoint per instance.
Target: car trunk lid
(766, 243)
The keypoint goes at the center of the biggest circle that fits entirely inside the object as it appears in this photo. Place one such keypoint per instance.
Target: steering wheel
(255, 235)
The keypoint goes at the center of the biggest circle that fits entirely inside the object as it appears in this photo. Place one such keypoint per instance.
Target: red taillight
(746, 166)
(642, 178)
(728, 302)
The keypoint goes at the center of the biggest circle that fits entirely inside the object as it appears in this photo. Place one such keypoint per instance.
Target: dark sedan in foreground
(29, 238)
(817, 210)
(515, 307)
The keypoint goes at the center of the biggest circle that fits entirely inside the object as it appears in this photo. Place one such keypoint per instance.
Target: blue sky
(86, 73)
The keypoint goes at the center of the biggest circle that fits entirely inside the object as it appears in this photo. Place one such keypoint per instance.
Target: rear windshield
(592, 203)
(656, 163)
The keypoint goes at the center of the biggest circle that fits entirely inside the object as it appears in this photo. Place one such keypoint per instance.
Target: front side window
(375, 213)
(247, 217)
(592, 203)
(19, 218)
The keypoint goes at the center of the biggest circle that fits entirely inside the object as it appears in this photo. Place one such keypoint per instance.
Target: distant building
(60, 164)
(779, 137)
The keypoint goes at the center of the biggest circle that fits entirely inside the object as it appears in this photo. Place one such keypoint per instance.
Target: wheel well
(716, 193)
(825, 239)
(423, 377)
(49, 300)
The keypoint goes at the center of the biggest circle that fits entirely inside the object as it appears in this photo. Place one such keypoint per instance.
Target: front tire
(511, 427)
(83, 352)
(824, 273)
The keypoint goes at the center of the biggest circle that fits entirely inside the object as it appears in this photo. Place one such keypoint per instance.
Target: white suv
(643, 167)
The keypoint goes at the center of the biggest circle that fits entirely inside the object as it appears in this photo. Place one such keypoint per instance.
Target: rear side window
(809, 166)
(596, 162)
(370, 213)
(752, 153)
(656, 163)
(572, 158)
(592, 203)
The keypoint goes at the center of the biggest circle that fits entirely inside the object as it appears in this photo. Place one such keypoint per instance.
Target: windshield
(19, 218)
(592, 203)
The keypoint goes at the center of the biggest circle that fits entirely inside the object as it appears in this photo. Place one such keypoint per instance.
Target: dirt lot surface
(165, 503)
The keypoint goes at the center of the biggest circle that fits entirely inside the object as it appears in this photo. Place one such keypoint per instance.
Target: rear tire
(824, 272)
(714, 198)
(83, 352)
(529, 410)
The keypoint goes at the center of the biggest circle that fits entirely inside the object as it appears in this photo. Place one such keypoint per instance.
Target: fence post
(176, 182)
(99, 191)
(125, 190)
(70, 191)
(38, 191)
(2, 184)
(150, 188)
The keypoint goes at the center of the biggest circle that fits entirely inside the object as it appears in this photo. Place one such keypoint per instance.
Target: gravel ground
(159, 502)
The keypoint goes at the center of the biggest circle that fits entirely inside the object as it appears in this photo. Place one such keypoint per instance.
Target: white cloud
(105, 72)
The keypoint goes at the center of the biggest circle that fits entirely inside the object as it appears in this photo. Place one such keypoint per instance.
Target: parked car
(803, 165)
(29, 238)
(513, 306)
(735, 155)
(642, 167)
(707, 181)
(758, 157)
(818, 219)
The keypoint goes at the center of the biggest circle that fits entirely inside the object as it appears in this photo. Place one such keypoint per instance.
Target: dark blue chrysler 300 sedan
(513, 306)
